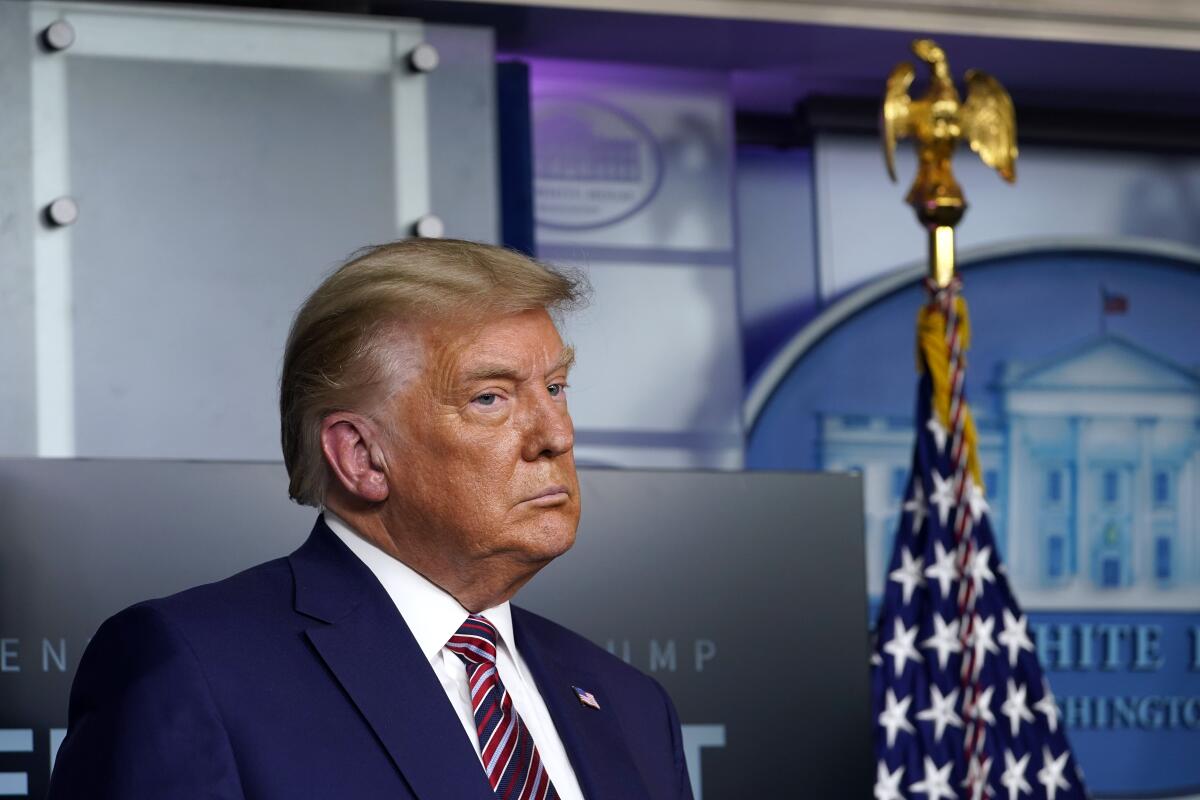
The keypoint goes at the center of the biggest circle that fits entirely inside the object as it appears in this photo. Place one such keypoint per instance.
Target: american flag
(586, 698)
(961, 707)
(1113, 302)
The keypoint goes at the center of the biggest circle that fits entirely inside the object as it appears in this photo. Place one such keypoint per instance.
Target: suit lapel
(371, 652)
(592, 737)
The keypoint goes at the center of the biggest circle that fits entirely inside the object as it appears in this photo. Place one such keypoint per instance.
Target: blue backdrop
(1089, 443)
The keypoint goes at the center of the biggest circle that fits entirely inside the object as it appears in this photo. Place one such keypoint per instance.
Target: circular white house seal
(594, 164)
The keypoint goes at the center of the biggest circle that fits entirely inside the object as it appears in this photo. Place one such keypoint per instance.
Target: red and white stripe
(964, 541)
(510, 757)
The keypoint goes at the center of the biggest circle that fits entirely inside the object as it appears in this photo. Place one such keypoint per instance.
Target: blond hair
(335, 355)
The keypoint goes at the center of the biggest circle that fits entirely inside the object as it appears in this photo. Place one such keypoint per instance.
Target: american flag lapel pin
(586, 698)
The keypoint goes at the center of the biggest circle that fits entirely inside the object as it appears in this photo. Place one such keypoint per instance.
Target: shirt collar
(432, 613)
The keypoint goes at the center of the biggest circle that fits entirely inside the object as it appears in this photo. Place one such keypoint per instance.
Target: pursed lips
(551, 495)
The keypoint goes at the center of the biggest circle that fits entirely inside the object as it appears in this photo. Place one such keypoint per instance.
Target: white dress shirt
(433, 616)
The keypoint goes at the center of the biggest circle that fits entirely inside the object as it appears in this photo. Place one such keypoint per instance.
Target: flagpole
(939, 205)
(1103, 310)
(941, 255)
(944, 530)
(938, 122)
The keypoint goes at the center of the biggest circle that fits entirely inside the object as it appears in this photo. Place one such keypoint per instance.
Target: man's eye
(486, 399)
(556, 389)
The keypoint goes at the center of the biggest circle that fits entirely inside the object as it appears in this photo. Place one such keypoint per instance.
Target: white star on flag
(894, 718)
(1015, 707)
(941, 712)
(1048, 706)
(1015, 636)
(887, 784)
(943, 495)
(916, 505)
(910, 574)
(981, 640)
(983, 706)
(1051, 773)
(943, 569)
(935, 426)
(1013, 778)
(936, 783)
(902, 647)
(977, 502)
(979, 569)
(944, 640)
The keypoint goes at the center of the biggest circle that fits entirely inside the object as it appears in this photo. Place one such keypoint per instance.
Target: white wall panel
(864, 229)
(777, 249)
(634, 183)
(654, 350)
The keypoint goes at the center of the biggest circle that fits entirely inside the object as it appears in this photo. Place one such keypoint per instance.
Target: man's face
(480, 468)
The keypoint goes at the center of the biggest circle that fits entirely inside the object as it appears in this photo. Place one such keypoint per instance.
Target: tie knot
(475, 641)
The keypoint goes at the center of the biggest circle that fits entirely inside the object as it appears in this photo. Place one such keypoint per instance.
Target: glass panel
(1054, 557)
(212, 198)
(1162, 559)
(1110, 572)
(1111, 486)
(1162, 488)
(1054, 486)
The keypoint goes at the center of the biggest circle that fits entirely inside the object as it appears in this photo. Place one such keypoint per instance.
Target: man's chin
(547, 542)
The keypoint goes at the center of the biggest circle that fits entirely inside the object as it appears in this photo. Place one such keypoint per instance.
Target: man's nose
(549, 431)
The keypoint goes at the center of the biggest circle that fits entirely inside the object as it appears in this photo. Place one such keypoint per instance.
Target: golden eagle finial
(937, 122)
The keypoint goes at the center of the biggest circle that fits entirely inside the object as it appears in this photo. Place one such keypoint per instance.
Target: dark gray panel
(768, 567)
(80, 540)
(764, 570)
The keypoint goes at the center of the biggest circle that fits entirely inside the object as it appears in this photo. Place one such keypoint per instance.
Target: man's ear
(349, 443)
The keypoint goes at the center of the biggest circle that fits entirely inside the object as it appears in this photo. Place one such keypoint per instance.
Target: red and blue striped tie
(510, 757)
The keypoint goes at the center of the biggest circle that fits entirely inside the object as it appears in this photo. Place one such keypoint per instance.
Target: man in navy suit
(423, 410)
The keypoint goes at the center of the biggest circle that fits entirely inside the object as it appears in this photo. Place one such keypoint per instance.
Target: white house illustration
(1092, 472)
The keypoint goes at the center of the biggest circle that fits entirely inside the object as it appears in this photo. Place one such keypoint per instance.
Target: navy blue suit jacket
(299, 679)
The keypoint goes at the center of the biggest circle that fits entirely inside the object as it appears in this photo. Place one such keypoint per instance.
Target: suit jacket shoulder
(218, 692)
